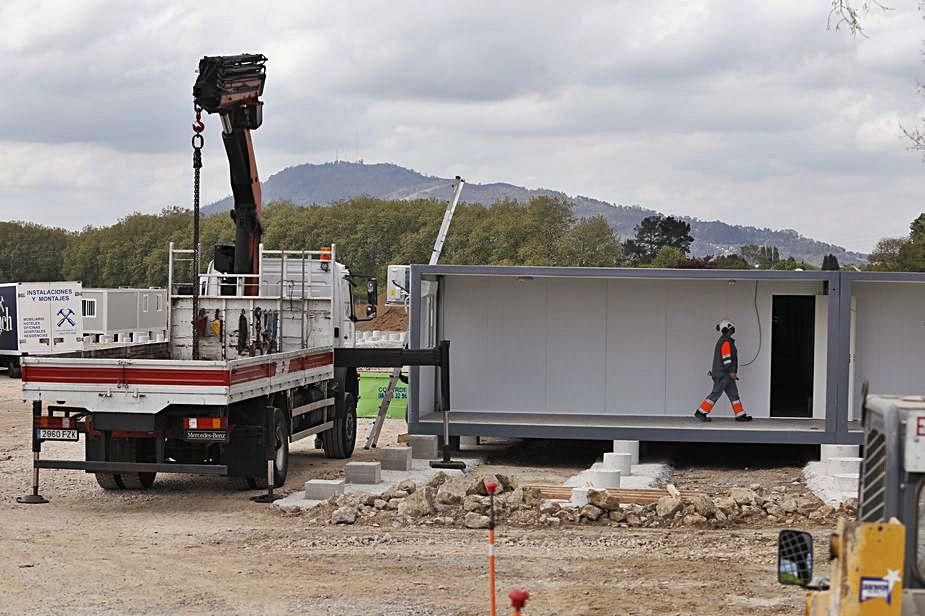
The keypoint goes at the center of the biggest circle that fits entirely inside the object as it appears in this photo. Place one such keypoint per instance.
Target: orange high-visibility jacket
(725, 357)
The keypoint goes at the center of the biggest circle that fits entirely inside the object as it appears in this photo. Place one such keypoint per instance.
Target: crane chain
(197, 143)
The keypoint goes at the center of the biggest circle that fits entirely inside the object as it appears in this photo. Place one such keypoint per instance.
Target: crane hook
(198, 125)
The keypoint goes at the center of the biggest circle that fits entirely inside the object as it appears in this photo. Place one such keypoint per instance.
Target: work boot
(702, 416)
(743, 417)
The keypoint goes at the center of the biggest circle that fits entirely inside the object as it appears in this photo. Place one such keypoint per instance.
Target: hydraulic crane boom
(231, 86)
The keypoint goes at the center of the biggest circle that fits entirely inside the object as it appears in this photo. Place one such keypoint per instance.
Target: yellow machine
(878, 562)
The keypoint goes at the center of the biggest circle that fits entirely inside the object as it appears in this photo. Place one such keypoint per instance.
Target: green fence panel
(372, 391)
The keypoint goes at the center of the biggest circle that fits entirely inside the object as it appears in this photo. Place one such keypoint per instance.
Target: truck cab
(878, 561)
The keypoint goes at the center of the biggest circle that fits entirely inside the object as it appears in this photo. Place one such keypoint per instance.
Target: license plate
(51, 434)
(206, 435)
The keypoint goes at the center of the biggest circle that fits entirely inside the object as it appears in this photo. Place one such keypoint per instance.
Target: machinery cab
(883, 552)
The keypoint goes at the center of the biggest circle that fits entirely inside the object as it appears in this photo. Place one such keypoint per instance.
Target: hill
(330, 182)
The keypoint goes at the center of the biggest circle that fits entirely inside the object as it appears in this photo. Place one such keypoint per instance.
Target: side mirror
(794, 558)
(372, 297)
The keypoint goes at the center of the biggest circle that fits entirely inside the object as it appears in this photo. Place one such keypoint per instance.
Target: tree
(591, 243)
(654, 232)
(885, 255)
(830, 262)
(668, 256)
(732, 261)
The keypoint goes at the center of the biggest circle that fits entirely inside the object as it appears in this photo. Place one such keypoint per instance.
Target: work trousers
(723, 384)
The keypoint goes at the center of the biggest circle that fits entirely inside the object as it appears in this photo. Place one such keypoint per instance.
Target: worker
(724, 374)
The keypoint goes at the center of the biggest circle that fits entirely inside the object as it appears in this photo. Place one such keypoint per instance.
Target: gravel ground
(193, 546)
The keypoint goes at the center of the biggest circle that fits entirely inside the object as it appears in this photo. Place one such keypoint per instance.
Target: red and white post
(491, 487)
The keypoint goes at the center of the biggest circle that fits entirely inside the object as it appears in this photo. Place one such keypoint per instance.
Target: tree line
(372, 233)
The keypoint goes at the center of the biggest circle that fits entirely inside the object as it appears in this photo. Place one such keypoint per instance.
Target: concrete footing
(424, 446)
(579, 497)
(363, 472)
(604, 478)
(622, 462)
(827, 452)
(847, 482)
(323, 489)
(395, 458)
(630, 447)
(844, 466)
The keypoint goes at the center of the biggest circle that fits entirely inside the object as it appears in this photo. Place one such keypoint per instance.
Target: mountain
(330, 182)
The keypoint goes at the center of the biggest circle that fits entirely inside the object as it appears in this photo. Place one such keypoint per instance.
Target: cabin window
(158, 302)
(88, 307)
(144, 302)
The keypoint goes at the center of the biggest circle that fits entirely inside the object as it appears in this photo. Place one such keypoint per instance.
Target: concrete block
(363, 472)
(844, 466)
(424, 446)
(323, 489)
(622, 462)
(845, 482)
(579, 497)
(630, 447)
(395, 458)
(604, 478)
(838, 451)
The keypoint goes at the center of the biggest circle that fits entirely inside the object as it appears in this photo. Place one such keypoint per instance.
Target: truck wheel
(134, 451)
(109, 481)
(14, 370)
(137, 481)
(339, 441)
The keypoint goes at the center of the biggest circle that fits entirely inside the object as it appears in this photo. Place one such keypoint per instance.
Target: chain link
(197, 143)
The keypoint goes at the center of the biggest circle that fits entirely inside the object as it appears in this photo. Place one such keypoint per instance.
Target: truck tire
(126, 450)
(138, 481)
(109, 481)
(339, 441)
(14, 370)
(280, 463)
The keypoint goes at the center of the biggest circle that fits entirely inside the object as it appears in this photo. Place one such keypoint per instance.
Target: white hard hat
(725, 324)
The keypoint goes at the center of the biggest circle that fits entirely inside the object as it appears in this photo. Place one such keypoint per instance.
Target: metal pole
(34, 498)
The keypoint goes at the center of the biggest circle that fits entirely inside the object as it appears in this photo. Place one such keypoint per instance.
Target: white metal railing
(289, 278)
(315, 268)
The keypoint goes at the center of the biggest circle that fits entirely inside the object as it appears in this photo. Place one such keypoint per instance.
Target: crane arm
(231, 86)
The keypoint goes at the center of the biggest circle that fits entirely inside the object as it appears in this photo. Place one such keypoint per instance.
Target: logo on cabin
(67, 315)
(880, 587)
(6, 321)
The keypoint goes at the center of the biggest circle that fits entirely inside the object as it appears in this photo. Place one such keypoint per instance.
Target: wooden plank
(639, 496)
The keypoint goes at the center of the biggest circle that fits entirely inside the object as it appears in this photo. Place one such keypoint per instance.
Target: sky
(751, 112)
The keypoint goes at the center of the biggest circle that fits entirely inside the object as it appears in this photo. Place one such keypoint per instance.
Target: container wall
(889, 338)
(615, 346)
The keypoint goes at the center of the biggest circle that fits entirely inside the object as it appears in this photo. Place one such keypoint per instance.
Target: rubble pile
(464, 502)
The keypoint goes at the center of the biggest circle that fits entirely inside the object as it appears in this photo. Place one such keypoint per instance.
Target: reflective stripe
(737, 407)
(726, 349)
(706, 406)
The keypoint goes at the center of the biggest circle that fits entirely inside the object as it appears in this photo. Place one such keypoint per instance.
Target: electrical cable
(757, 318)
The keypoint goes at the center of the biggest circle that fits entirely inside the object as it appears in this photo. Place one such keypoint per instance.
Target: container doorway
(793, 322)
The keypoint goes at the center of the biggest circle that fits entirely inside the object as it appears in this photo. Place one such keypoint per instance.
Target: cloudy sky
(747, 111)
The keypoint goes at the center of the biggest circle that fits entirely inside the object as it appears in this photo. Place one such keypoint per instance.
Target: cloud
(747, 111)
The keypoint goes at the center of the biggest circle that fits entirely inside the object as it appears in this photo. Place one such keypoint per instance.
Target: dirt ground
(192, 546)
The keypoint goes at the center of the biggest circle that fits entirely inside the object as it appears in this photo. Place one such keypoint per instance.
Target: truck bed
(149, 385)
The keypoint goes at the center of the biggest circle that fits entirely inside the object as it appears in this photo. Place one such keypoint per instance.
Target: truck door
(346, 314)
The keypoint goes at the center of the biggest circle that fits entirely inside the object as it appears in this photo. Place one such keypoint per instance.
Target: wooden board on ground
(639, 496)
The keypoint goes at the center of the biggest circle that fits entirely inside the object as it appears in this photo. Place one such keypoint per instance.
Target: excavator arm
(231, 86)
